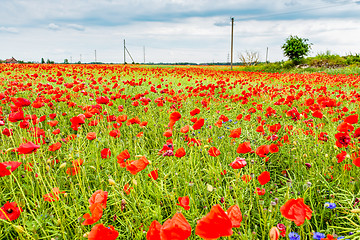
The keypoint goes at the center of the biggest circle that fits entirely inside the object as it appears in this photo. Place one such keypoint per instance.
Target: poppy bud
(274, 233)
(19, 229)
(111, 182)
(63, 165)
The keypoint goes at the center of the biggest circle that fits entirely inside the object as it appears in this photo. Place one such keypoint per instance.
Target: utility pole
(124, 52)
(267, 51)
(144, 54)
(95, 56)
(232, 40)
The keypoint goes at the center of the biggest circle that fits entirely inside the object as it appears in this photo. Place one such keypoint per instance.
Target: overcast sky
(172, 31)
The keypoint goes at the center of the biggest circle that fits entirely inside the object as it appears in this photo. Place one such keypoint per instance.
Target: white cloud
(8, 30)
(77, 27)
(53, 26)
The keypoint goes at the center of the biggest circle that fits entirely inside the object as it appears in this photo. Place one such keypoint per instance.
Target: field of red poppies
(133, 152)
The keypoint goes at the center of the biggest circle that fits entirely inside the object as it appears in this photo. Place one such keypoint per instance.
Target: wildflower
(214, 225)
(10, 211)
(295, 210)
(176, 228)
(27, 148)
(235, 215)
(137, 165)
(154, 174)
(330, 205)
(99, 231)
(274, 233)
(154, 231)
(238, 163)
(184, 202)
(7, 167)
(294, 236)
(264, 177)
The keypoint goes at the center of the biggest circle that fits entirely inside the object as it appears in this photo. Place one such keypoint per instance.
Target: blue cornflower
(342, 238)
(318, 236)
(330, 205)
(294, 236)
(230, 120)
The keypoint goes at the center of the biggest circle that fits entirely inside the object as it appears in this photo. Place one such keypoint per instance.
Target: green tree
(42, 60)
(296, 48)
(66, 61)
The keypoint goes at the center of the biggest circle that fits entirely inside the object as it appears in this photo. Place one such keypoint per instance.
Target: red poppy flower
(235, 133)
(122, 157)
(99, 196)
(345, 127)
(235, 215)
(352, 119)
(167, 133)
(138, 165)
(238, 163)
(21, 102)
(180, 152)
(7, 132)
(341, 156)
(121, 118)
(56, 131)
(214, 225)
(260, 191)
(244, 148)
(295, 210)
(174, 117)
(264, 177)
(273, 148)
(318, 114)
(198, 124)
(343, 139)
(356, 162)
(154, 231)
(96, 213)
(115, 133)
(194, 112)
(262, 150)
(27, 148)
(214, 152)
(99, 231)
(184, 202)
(176, 228)
(55, 146)
(16, 116)
(53, 123)
(246, 178)
(127, 189)
(184, 129)
(7, 167)
(72, 171)
(10, 211)
(105, 153)
(102, 100)
(53, 196)
(154, 174)
(91, 136)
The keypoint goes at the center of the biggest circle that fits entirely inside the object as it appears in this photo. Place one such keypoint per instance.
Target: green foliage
(296, 48)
